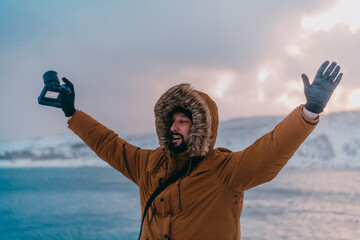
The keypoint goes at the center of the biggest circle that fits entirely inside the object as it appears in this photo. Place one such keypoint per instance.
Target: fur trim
(184, 96)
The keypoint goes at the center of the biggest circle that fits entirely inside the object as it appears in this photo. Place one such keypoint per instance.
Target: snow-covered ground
(335, 143)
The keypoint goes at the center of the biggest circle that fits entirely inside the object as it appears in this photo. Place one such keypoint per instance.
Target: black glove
(68, 98)
(319, 92)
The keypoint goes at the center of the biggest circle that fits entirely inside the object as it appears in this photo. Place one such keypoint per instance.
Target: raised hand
(319, 92)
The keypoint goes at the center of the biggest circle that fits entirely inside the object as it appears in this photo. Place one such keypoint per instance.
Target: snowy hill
(335, 143)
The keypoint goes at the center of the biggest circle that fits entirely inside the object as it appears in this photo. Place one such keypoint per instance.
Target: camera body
(52, 92)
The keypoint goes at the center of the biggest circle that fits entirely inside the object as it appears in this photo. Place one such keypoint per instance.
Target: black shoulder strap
(186, 169)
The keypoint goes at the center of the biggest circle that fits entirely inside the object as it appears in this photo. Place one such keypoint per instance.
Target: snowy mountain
(335, 143)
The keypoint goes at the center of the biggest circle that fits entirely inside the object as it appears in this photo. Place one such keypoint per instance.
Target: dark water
(304, 204)
(67, 203)
(99, 203)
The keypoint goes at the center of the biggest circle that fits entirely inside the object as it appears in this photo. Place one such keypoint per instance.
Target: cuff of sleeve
(72, 117)
(306, 119)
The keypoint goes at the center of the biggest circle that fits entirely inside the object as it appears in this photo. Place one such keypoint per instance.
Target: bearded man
(188, 189)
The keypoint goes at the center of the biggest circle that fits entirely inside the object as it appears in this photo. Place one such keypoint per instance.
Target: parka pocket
(165, 228)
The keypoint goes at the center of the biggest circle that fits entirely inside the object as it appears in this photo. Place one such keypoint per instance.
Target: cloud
(121, 56)
(345, 12)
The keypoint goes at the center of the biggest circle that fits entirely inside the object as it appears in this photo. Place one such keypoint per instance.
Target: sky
(122, 55)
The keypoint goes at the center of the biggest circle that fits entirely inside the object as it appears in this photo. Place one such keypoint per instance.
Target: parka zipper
(178, 185)
(179, 192)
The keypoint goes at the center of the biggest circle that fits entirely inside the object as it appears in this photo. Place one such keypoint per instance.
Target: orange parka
(207, 202)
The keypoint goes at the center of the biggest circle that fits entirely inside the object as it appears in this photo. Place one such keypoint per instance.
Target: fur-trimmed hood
(204, 114)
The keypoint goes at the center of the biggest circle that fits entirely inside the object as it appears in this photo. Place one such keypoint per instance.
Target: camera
(52, 92)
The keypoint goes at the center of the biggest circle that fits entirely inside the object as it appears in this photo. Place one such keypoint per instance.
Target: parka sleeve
(124, 157)
(263, 160)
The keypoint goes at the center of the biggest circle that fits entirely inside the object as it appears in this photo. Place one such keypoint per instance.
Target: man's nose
(174, 127)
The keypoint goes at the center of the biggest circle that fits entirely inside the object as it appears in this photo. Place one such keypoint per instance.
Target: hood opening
(202, 110)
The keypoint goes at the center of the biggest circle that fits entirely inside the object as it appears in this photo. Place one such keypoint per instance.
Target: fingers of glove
(65, 97)
(337, 81)
(68, 83)
(334, 74)
(329, 70)
(305, 80)
(322, 69)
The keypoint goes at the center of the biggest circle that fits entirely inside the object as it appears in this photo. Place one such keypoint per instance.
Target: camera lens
(51, 78)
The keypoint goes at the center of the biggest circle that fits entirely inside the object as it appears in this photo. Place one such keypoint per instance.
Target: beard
(178, 148)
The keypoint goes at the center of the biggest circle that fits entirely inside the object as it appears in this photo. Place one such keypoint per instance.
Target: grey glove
(319, 92)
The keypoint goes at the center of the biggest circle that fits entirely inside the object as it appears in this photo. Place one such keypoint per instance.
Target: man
(204, 196)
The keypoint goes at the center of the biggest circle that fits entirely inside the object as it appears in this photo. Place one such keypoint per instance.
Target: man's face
(180, 132)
